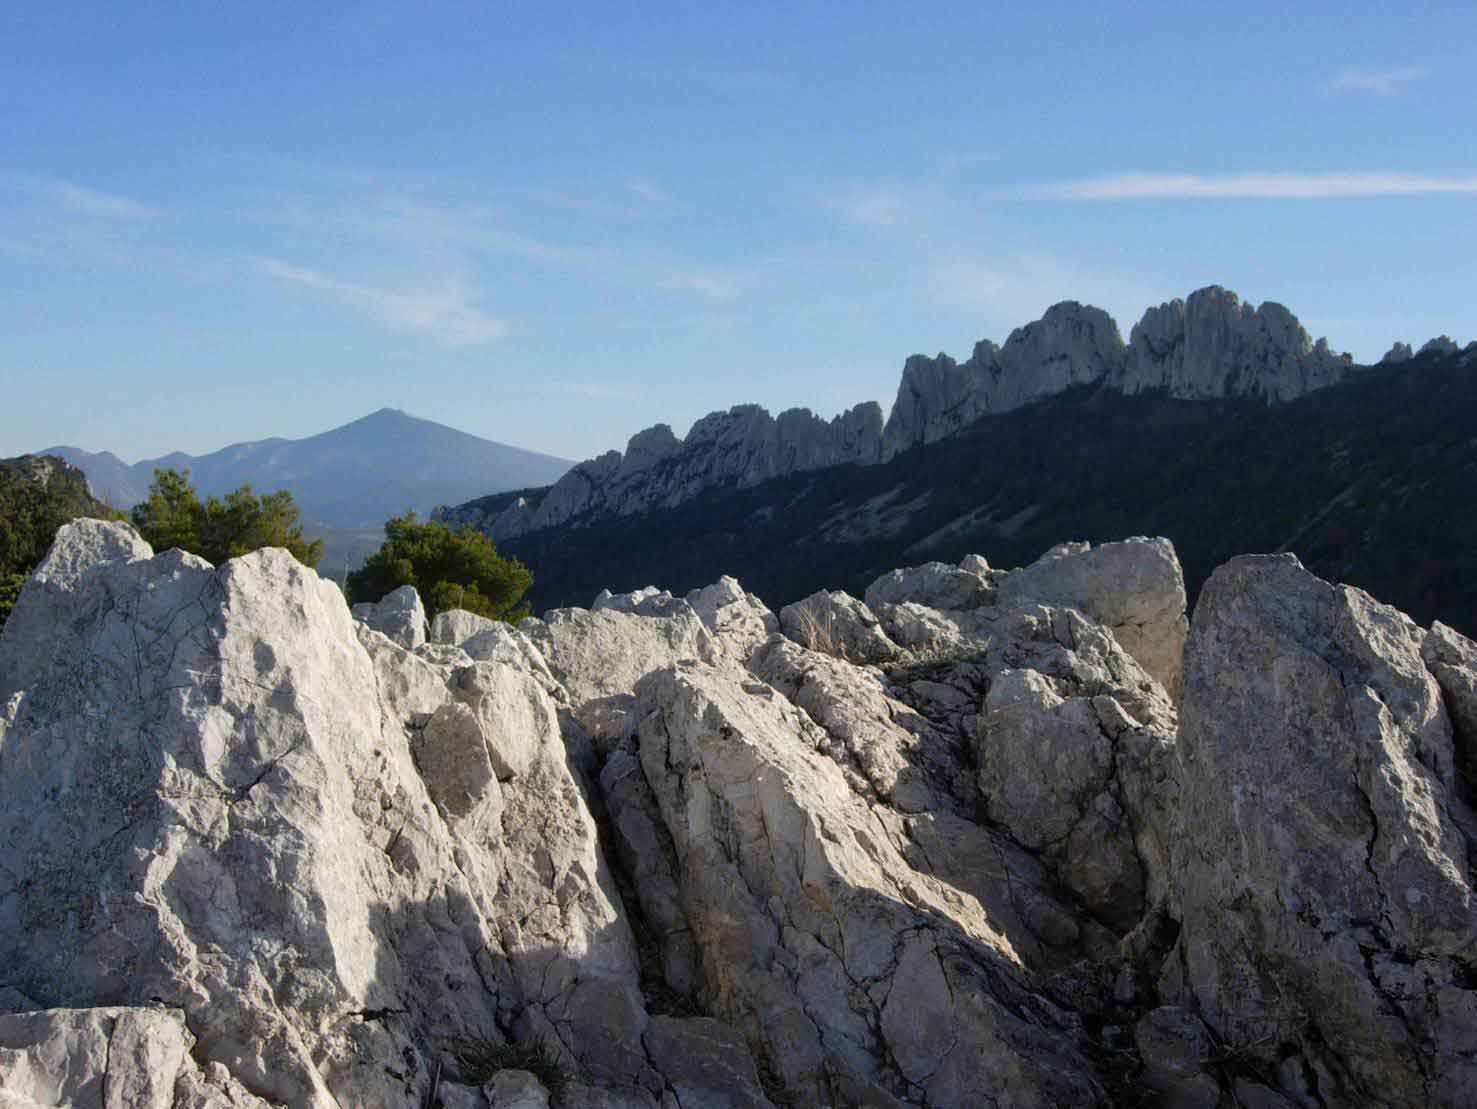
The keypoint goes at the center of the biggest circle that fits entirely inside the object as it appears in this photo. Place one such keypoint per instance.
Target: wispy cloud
(1381, 82)
(1257, 186)
(99, 205)
(471, 231)
(875, 207)
(445, 310)
(647, 190)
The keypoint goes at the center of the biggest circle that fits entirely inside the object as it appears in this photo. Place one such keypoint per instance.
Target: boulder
(456, 625)
(836, 623)
(47, 601)
(1452, 660)
(737, 620)
(851, 970)
(1320, 869)
(1135, 589)
(934, 585)
(398, 615)
(209, 801)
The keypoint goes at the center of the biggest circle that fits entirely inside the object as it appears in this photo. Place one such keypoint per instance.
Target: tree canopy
(217, 529)
(449, 569)
(37, 496)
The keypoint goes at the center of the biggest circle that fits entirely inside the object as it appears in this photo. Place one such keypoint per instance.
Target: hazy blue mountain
(347, 481)
(354, 476)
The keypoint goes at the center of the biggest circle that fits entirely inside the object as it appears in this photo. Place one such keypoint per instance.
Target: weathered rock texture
(1321, 873)
(253, 852)
(740, 447)
(1213, 345)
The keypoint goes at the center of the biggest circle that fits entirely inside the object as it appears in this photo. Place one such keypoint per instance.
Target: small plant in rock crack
(479, 1058)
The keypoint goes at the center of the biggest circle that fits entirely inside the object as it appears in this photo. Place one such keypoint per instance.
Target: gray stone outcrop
(834, 622)
(1072, 344)
(741, 447)
(401, 616)
(254, 852)
(1321, 873)
(48, 600)
(1213, 345)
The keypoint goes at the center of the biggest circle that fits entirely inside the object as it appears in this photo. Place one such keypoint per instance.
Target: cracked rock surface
(1321, 872)
(254, 852)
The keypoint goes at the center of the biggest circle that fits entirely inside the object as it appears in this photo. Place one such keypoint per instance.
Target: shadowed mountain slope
(1370, 482)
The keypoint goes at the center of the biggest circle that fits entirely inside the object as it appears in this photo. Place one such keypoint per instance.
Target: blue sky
(553, 225)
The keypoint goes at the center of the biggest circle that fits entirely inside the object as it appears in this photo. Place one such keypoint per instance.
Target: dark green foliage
(38, 494)
(479, 1058)
(449, 569)
(219, 529)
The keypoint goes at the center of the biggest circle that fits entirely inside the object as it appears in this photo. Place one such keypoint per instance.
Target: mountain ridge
(1208, 345)
(410, 463)
(1359, 480)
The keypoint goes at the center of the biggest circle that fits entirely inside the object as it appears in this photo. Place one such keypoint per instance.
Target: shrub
(217, 529)
(449, 569)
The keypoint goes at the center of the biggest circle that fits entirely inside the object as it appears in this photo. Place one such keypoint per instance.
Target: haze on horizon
(554, 228)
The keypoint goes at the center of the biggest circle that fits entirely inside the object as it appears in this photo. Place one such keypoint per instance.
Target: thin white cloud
(1381, 82)
(444, 310)
(100, 205)
(1258, 186)
(647, 190)
(878, 207)
(468, 231)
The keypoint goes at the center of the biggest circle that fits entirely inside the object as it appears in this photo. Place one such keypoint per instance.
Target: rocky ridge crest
(1208, 345)
(984, 837)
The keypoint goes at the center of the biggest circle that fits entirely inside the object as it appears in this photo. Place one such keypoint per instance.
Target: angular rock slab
(1136, 589)
(46, 600)
(209, 799)
(836, 623)
(1321, 872)
(813, 928)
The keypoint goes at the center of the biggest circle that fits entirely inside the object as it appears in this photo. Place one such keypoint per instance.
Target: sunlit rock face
(1072, 344)
(1213, 345)
(740, 447)
(1208, 345)
(955, 844)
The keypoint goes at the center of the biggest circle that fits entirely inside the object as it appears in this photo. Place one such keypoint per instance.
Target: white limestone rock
(1452, 660)
(598, 657)
(1213, 345)
(861, 978)
(743, 446)
(399, 615)
(104, 1057)
(1135, 588)
(934, 585)
(649, 601)
(1072, 344)
(47, 600)
(836, 623)
(1320, 869)
(455, 626)
(738, 621)
(210, 799)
